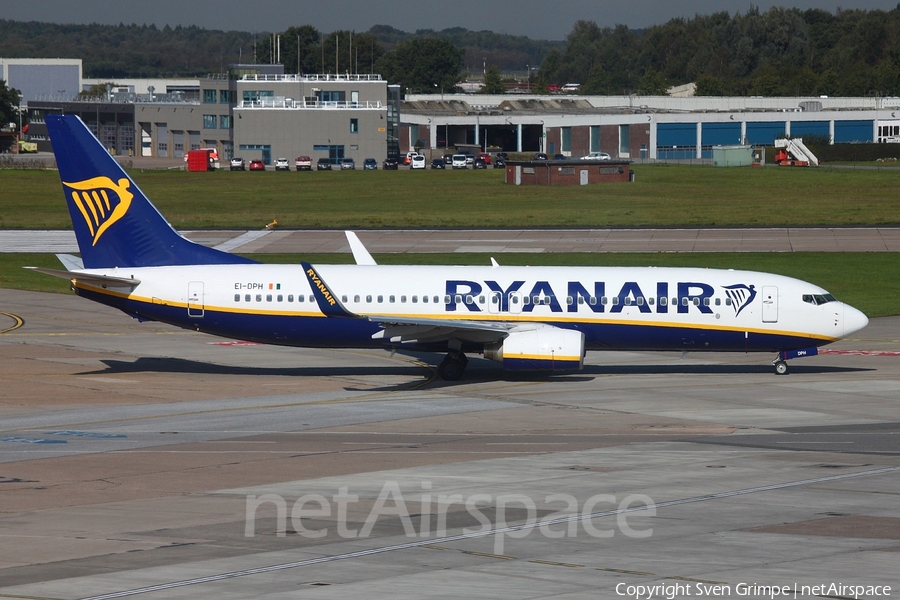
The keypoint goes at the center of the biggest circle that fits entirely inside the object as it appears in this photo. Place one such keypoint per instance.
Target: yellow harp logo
(94, 201)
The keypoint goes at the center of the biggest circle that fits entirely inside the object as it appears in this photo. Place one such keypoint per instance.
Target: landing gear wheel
(781, 367)
(452, 367)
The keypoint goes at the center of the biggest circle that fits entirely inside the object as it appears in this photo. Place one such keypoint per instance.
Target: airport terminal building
(258, 111)
(255, 111)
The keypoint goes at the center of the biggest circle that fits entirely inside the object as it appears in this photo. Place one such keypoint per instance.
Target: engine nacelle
(540, 349)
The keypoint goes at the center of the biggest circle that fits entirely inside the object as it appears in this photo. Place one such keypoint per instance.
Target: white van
(459, 161)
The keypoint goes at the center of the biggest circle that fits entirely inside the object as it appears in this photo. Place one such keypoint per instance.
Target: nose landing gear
(780, 362)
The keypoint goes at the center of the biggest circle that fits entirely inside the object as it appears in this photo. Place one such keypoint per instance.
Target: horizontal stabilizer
(88, 278)
(71, 262)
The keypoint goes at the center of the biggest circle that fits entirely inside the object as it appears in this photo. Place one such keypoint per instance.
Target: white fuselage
(615, 307)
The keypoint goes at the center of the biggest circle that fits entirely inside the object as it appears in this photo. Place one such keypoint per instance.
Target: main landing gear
(453, 366)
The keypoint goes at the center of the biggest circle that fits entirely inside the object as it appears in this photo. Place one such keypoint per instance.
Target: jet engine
(542, 348)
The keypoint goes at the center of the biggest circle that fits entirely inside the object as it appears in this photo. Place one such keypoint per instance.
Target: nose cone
(854, 320)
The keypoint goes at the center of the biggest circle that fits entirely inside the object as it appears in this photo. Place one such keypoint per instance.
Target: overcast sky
(543, 19)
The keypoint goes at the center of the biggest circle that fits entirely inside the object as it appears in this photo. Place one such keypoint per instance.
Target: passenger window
(515, 299)
(391, 299)
(368, 299)
(696, 301)
(415, 299)
(663, 301)
(301, 298)
(259, 297)
(718, 301)
(343, 299)
(425, 299)
(446, 299)
(706, 302)
(480, 299)
(290, 297)
(380, 299)
(628, 301)
(247, 298)
(459, 299)
(311, 298)
(727, 301)
(604, 300)
(403, 299)
(237, 297)
(437, 299)
(615, 301)
(684, 301)
(356, 298)
(268, 297)
(592, 301)
(280, 298)
(650, 300)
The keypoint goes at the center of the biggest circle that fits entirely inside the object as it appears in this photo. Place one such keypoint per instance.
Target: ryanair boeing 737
(537, 318)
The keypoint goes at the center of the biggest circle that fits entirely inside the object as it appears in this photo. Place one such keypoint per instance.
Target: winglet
(326, 299)
(360, 254)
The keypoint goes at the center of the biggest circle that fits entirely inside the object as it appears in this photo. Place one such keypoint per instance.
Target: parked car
(459, 161)
(480, 163)
(558, 156)
(257, 165)
(504, 156)
(303, 163)
(597, 156)
(282, 164)
(499, 163)
(407, 160)
(448, 159)
(324, 164)
(438, 163)
(470, 158)
(237, 164)
(486, 157)
(539, 156)
(417, 161)
(390, 164)
(348, 164)
(370, 164)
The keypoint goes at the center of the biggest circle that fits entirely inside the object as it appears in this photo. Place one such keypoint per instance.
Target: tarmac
(776, 239)
(139, 460)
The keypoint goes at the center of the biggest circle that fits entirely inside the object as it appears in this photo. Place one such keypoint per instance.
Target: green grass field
(661, 196)
(868, 281)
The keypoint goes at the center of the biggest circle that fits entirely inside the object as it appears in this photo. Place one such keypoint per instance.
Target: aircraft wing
(400, 329)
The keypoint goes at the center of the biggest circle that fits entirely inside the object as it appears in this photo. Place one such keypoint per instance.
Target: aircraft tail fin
(115, 224)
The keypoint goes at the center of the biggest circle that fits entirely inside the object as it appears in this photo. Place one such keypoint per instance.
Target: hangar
(639, 127)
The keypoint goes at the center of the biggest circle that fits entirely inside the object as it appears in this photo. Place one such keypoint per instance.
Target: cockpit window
(817, 299)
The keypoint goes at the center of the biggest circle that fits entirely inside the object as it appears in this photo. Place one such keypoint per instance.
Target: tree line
(780, 52)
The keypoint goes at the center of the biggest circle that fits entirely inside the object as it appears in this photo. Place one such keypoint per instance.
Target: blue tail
(115, 224)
